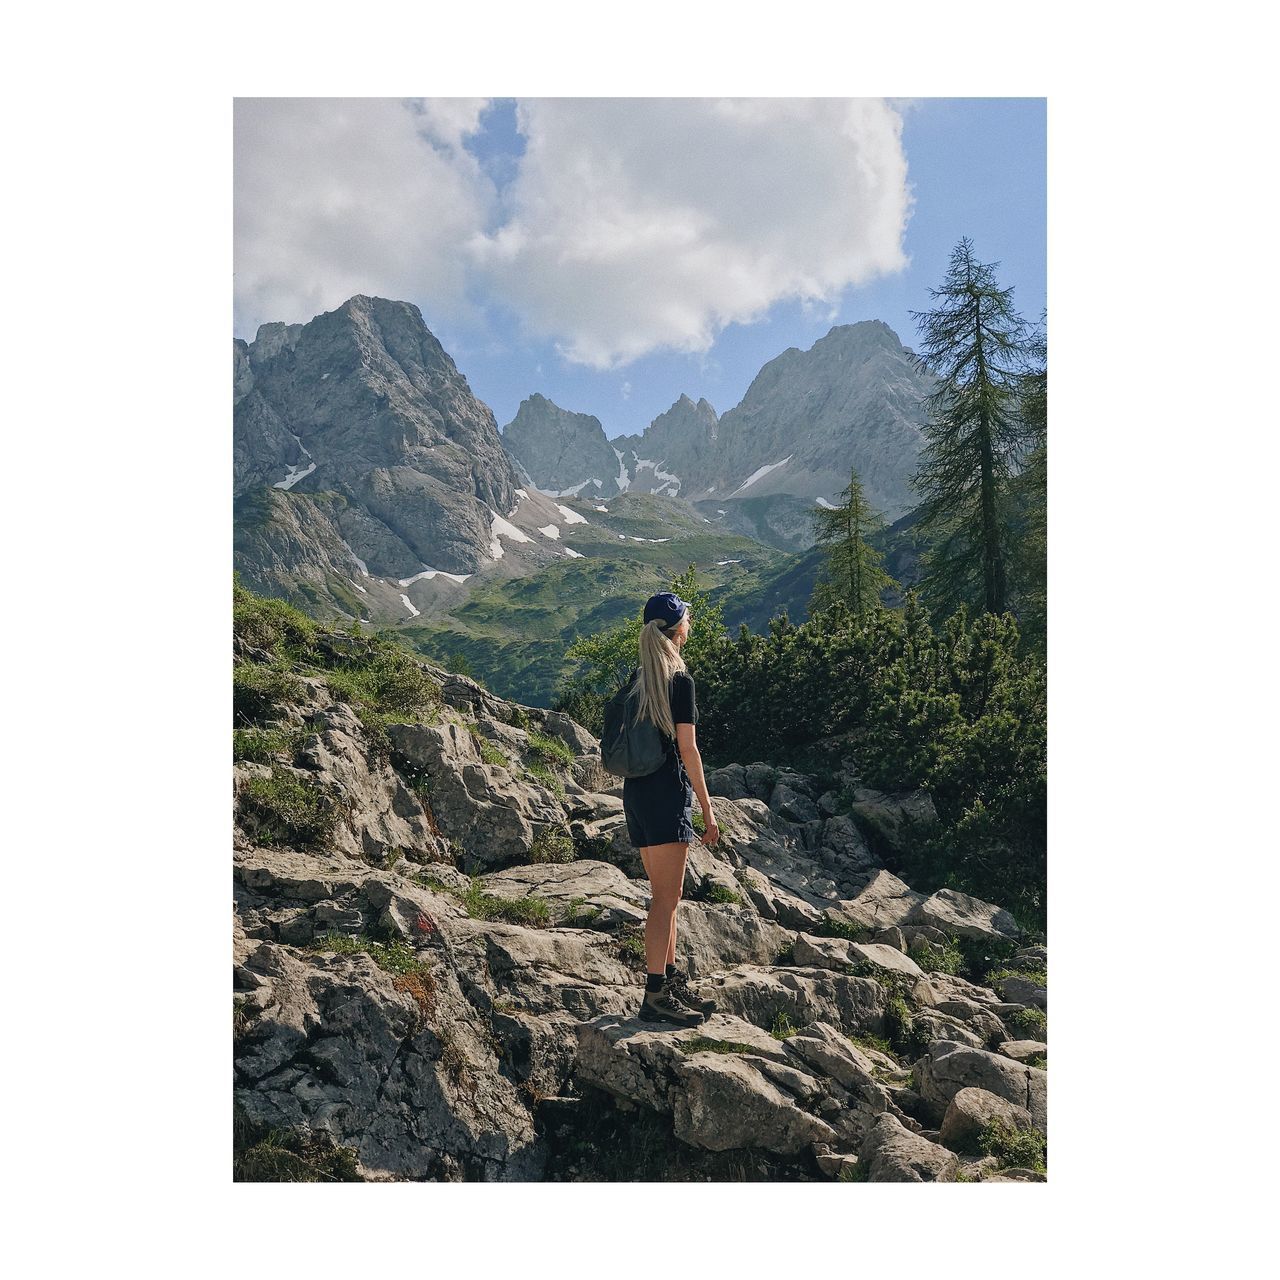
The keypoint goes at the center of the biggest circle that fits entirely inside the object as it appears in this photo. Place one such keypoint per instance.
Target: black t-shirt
(684, 699)
(684, 710)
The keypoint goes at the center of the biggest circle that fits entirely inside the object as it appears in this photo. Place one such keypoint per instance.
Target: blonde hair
(659, 660)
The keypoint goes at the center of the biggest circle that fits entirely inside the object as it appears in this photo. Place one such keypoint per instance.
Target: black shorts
(659, 806)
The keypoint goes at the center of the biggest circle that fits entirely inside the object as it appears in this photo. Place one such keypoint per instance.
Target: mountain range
(370, 482)
(851, 401)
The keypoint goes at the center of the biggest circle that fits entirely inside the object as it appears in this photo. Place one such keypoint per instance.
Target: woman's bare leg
(664, 865)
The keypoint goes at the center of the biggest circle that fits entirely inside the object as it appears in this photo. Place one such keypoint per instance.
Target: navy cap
(667, 607)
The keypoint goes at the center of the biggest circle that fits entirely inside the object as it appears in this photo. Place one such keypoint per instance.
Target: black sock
(654, 981)
(671, 971)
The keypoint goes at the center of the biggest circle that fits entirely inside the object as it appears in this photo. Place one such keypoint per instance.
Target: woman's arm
(687, 742)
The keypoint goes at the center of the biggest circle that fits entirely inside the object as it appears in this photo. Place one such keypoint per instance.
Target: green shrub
(935, 958)
(720, 893)
(1023, 1148)
(552, 846)
(286, 1155)
(393, 955)
(482, 905)
(1028, 1023)
(829, 927)
(958, 709)
(900, 1028)
(260, 692)
(782, 1028)
(550, 749)
(259, 746)
(631, 943)
(544, 775)
(519, 718)
(489, 753)
(285, 808)
(867, 1041)
(580, 916)
(1038, 976)
(271, 625)
(706, 1044)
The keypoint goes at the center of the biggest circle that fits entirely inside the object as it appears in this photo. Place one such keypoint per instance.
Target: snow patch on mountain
(759, 474)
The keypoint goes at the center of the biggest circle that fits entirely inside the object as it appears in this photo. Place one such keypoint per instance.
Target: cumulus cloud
(635, 225)
(338, 196)
(629, 226)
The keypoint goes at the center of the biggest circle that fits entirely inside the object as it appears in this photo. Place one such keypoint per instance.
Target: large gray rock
(892, 1153)
(723, 1102)
(949, 1067)
(893, 824)
(838, 953)
(883, 900)
(601, 885)
(970, 1110)
(965, 916)
(334, 1044)
(491, 813)
(759, 994)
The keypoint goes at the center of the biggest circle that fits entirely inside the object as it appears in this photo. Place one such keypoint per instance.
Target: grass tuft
(287, 809)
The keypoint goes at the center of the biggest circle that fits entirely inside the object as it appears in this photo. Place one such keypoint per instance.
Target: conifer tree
(1028, 564)
(975, 344)
(854, 569)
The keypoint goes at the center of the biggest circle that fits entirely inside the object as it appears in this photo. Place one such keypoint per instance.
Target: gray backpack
(630, 748)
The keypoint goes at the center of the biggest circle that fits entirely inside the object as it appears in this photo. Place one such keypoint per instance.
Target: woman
(659, 806)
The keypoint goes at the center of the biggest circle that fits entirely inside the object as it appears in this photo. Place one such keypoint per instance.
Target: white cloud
(337, 196)
(631, 225)
(626, 390)
(640, 224)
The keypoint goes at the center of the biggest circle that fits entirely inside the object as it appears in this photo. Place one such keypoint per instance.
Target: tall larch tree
(854, 569)
(974, 343)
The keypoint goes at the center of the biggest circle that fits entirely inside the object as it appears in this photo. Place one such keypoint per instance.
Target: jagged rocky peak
(565, 453)
(852, 400)
(364, 406)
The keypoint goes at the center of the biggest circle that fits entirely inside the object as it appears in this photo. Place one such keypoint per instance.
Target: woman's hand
(712, 833)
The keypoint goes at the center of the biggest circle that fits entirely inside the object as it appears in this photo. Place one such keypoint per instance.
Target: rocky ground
(438, 959)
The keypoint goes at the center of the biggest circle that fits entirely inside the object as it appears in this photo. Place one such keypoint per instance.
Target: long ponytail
(659, 660)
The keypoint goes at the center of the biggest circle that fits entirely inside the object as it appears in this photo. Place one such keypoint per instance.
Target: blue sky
(482, 229)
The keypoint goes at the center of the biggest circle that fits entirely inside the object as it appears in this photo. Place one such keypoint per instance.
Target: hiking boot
(679, 987)
(662, 1006)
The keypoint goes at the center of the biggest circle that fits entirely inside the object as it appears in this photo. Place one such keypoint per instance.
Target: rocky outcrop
(442, 982)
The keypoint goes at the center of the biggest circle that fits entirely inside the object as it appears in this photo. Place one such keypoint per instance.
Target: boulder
(970, 1109)
(775, 903)
(620, 900)
(840, 834)
(791, 804)
(1023, 1050)
(839, 953)
(1017, 989)
(892, 1153)
(722, 1102)
(964, 916)
(950, 1066)
(893, 824)
(882, 900)
(759, 994)
(491, 813)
